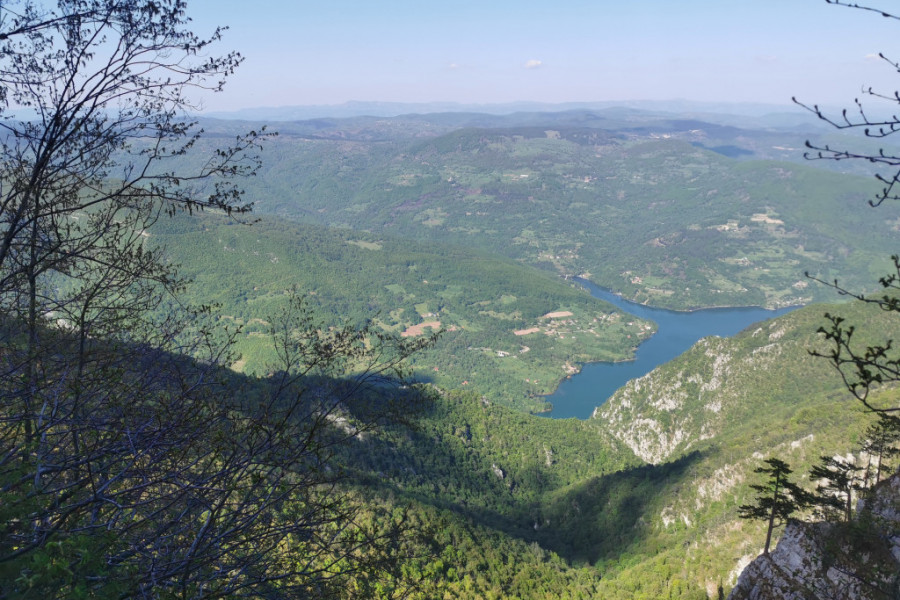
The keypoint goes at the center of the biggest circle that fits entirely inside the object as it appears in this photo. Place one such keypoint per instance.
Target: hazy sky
(489, 51)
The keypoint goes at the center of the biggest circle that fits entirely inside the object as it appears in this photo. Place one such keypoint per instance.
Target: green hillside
(731, 403)
(640, 502)
(502, 504)
(569, 502)
(654, 213)
(509, 331)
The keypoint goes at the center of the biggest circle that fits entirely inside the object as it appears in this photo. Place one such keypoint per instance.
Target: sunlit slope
(723, 389)
(655, 217)
(517, 490)
(510, 331)
(725, 405)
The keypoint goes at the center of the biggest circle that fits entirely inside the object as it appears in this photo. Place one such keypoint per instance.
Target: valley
(506, 345)
(677, 332)
(510, 332)
(633, 202)
(480, 234)
(641, 500)
(484, 235)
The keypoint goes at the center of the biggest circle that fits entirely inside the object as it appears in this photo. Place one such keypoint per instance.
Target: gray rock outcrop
(859, 560)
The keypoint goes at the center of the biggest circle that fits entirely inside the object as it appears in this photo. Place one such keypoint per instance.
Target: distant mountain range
(748, 114)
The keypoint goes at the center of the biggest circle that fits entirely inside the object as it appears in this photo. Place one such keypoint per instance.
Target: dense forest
(234, 364)
(508, 331)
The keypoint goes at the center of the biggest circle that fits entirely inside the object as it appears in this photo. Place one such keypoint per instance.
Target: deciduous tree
(131, 463)
(865, 367)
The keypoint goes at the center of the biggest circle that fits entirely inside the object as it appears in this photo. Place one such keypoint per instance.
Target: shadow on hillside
(728, 150)
(439, 462)
(600, 519)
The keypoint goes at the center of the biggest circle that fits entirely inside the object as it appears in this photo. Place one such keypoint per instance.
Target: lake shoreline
(579, 394)
(582, 281)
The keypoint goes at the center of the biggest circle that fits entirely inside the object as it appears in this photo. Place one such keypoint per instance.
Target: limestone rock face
(833, 561)
(661, 413)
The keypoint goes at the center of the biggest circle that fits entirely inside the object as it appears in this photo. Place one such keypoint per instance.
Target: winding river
(578, 396)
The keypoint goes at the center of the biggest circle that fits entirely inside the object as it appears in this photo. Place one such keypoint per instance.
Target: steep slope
(833, 561)
(724, 406)
(569, 500)
(721, 388)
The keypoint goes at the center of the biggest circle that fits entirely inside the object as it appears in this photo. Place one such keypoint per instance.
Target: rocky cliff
(859, 560)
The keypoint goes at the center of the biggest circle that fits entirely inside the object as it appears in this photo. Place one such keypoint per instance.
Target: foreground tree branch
(132, 463)
(864, 368)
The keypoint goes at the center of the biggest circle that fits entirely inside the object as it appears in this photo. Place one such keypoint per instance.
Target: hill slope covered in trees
(510, 332)
(649, 210)
(571, 500)
(641, 501)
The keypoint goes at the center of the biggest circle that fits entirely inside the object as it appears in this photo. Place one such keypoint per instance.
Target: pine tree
(778, 498)
(842, 479)
(882, 441)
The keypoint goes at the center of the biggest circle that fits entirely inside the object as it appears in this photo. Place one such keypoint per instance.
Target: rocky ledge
(859, 560)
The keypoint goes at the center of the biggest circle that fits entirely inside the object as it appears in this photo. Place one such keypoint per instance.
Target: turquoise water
(577, 397)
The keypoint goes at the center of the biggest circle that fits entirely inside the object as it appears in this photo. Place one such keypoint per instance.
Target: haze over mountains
(747, 114)
(472, 223)
(324, 351)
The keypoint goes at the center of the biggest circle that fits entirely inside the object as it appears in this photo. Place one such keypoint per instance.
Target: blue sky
(490, 51)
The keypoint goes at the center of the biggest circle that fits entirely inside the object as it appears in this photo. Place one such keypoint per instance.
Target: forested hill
(510, 332)
(568, 503)
(678, 213)
(640, 501)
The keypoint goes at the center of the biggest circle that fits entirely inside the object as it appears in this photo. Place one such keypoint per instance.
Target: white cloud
(534, 64)
(872, 56)
(453, 66)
